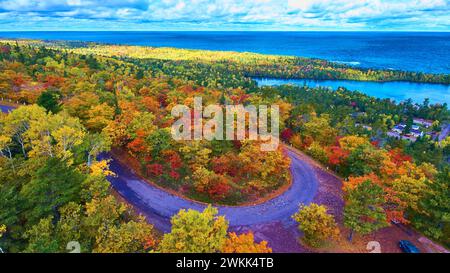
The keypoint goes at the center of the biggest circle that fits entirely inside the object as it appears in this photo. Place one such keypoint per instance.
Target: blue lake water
(398, 91)
(411, 51)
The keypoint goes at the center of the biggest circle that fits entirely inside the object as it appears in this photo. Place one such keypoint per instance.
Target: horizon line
(147, 30)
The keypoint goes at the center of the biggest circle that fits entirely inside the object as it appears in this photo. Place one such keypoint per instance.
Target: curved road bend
(6, 109)
(264, 219)
(269, 221)
(159, 206)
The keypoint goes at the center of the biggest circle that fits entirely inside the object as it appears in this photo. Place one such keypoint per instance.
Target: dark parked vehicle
(408, 247)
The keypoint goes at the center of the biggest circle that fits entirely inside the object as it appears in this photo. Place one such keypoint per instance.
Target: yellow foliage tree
(350, 143)
(195, 232)
(2, 230)
(317, 225)
(130, 237)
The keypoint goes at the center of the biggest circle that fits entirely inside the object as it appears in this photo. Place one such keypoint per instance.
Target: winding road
(270, 221)
(160, 205)
(6, 109)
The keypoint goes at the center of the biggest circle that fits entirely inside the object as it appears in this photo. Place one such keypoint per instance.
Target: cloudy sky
(225, 15)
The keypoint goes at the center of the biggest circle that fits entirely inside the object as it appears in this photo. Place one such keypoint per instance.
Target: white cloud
(230, 14)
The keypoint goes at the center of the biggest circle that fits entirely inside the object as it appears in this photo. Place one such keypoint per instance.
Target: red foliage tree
(398, 157)
(5, 50)
(174, 175)
(336, 155)
(155, 169)
(375, 143)
(173, 158)
(162, 98)
(239, 99)
(237, 144)
(287, 134)
(54, 81)
(137, 145)
(219, 188)
(226, 164)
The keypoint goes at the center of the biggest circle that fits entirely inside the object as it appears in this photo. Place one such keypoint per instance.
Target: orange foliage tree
(244, 243)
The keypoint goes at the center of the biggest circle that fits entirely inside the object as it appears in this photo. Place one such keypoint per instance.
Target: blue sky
(426, 15)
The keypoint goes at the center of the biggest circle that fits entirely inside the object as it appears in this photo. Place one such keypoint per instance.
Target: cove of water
(410, 51)
(397, 91)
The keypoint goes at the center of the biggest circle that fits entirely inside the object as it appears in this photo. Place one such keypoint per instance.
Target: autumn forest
(78, 107)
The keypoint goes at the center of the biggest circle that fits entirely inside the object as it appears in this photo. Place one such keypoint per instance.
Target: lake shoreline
(397, 91)
(427, 52)
(346, 80)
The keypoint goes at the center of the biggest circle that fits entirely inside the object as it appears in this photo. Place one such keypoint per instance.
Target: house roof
(422, 120)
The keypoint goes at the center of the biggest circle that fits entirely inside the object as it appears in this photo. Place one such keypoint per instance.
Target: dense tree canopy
(87, 98)
(195, 232)
(317, 225)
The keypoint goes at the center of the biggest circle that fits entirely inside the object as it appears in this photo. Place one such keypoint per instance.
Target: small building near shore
(424, 122)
